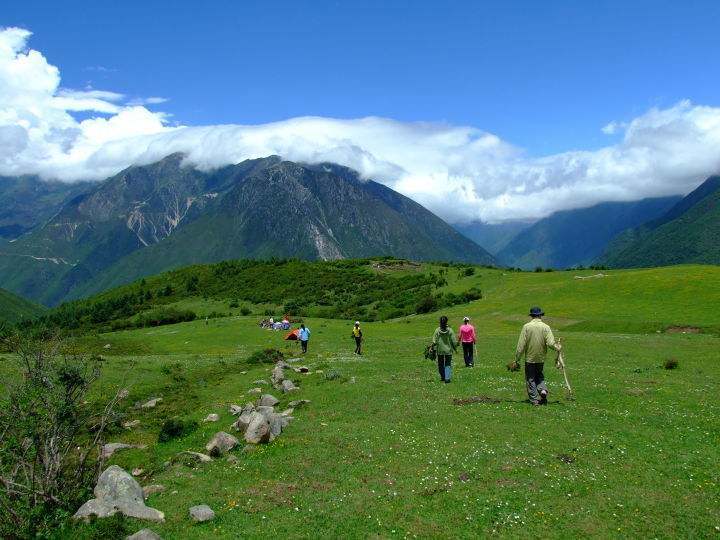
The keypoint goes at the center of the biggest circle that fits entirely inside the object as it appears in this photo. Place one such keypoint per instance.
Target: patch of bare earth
(683, 330)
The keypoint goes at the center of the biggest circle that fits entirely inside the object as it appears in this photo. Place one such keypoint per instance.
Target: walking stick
(560, 364)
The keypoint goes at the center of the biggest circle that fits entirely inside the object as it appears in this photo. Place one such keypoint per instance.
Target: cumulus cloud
(462, 173)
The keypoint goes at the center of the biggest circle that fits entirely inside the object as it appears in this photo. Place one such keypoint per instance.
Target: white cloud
(459, 172)
(154, 100)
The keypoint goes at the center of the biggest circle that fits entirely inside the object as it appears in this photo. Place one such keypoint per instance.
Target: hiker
(445, 344)
(467, 338)
(304, 336)
(357, 334)
(535, 338)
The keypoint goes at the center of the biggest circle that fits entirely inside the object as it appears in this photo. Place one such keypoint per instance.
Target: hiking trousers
(535, 380)
(358, 345)
(303, 345)
(468, 354)
(444, 362)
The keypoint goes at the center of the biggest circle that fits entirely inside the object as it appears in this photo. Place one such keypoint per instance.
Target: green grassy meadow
(382, 451)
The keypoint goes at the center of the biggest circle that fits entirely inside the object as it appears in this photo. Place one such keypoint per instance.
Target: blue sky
(545, 76)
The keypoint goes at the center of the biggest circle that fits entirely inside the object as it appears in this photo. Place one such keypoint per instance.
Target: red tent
(292, 335)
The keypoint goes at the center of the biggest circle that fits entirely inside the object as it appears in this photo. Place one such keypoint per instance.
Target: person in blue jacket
(304, 337)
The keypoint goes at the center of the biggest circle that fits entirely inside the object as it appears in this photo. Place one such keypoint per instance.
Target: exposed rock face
(221, 443)
(235, 409)
(110, 448)
(201, 513)
(258, 430)
(267, 400)
(117, 491)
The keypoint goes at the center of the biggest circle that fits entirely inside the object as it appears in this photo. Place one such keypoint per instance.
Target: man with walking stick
(535, 338)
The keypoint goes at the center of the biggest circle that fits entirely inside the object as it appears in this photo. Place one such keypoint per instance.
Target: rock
(258, 430)
(292, 360)
(268, 400)
(151, 403)
(352, 380)
(152, 489)
(221, 443)
(124, 393)
(299, 403)
(282, 364)
(196, 456)
(257, 390)
(232, 459)
(137, 471)
(266, 411)
(117, 491)
(288, 386)
(260, 382)
(278, 422)
(302, 369)
(130, 424)
(107, 346)
(249, 407)
(212, 417)
(243, 421)
(144, 534)
(288, 412)
(110, 448)
(235, 409)
(277, 376)
(201, 513)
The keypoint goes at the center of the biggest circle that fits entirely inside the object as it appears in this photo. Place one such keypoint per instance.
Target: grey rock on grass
(268, 400)
(110, 448)
(201, 513)
(258, 431)
(221, 443)
(152, 403)
(144, 534)
(235, 409)
(117, 491)
(212, 417)
(196, 456)
(288, 386)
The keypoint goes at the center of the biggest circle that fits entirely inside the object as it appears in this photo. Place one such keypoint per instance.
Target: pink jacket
(467, 333)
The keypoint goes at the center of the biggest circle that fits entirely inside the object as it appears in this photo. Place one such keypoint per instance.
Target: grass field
(383, 451)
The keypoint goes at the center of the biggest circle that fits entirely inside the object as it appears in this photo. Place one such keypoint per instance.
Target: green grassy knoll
(383, 451)
(14, 308)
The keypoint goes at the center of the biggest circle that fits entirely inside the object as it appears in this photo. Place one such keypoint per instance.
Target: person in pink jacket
(467, 338)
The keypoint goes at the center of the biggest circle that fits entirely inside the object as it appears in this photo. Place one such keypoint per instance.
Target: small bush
(234, 304)
(670, 363)
(426, 305)
(176, 428)
(266, 356)
(245, 311)
(469, 271)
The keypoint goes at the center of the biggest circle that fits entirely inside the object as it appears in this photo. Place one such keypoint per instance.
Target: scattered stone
(243, 421)
(152, 489)
(268, 400)
(302, 369)
(137, 471)
(151, 403)
(278, 422)
(288, 386)
(266, 411)
(117, 491)
(352, 380)
(288, 412)
(299, 403)
(232, 459)
(258, 430)
(257, 390)
(130, 424)
(293, 360)
(278, 376)
(196, 456)
(212, 417)
(235, 409)
(144, 534)
(221, 443)
(261, 382)
(107, 346)
(201, 513)
(124, 393)
(249, 407)
(110, 448)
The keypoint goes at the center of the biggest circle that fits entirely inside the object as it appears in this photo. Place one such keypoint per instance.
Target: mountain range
(14, 308)
(164, 215)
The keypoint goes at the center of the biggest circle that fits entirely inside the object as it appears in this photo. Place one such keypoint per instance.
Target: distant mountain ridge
(156, 217)
(578, 237)
(494, 237)
(14, 308)
(688, 233)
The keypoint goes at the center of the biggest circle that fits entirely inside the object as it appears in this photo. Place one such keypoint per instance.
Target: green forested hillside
(688, 233)
(14, 309)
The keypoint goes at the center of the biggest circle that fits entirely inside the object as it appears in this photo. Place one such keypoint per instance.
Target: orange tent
(292, 335)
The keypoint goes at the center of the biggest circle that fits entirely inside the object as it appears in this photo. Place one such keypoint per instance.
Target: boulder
(302, 369)
(243, 421)
(288, 386)
(277, 376)
(212, 417)
(235, 409)
(288, 412)
(249, 407)
(268, 400)
(137, 471)
(144, 534)
(258, 430)
(152, 489)
(150, 404)
(292, 360)
(201, 513)
(257, 390)
(221, 443)
(299, 403)
(110, 448)
(278, 422)
(117, 491)
(232, 459)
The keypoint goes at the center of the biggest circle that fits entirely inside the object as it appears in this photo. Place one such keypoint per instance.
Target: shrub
(426, 305)
(266, 356)
(471, 294)
(670, 363)
(176, 428)
(245, 311)
(469, 271)
(234, 304)
(164, 316)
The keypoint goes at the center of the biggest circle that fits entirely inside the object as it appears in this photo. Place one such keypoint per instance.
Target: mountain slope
(578, 237)
(161, 216)
(27, 202)
(688, 233)
(492, 236)
(14, 308)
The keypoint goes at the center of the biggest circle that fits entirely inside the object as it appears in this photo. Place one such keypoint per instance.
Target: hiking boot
(535, 403)
(543, 397)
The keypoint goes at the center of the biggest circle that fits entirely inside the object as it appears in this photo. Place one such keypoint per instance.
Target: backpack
(431, 352)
